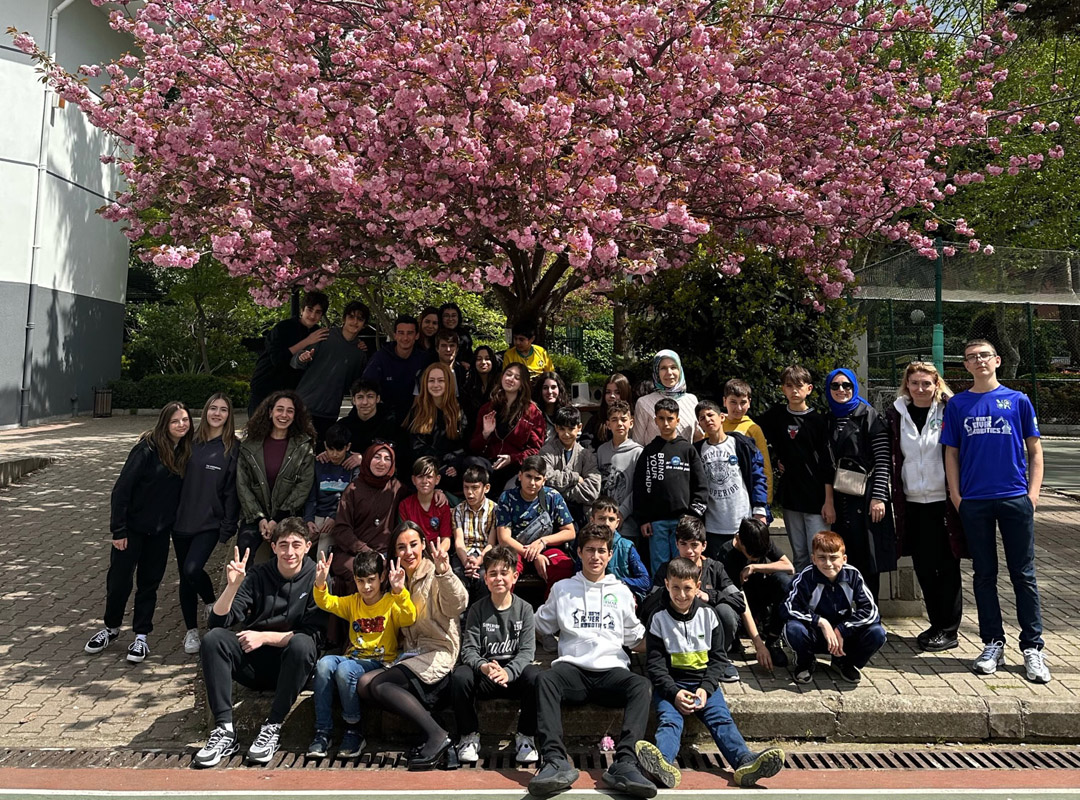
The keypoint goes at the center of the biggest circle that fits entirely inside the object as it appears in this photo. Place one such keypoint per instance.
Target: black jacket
(146, 495)
(715, 582)
(208, 500)
(272, 370)
(266, 601)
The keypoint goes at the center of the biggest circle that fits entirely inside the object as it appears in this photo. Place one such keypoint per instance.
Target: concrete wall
(82, 262)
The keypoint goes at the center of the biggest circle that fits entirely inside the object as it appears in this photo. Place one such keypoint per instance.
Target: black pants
(248, 538)
(853, 525)
(467, 686)
(192, 553)
(613, 688)
(143, 562)
(937, 569)
(765, 596)
(284, 669)
(476, 587)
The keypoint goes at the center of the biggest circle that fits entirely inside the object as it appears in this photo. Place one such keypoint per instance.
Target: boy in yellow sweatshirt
(738, 420)
(374, 619)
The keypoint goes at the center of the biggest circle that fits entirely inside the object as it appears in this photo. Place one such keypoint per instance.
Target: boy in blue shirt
(986, 433)
(626, 563)
(332, 478)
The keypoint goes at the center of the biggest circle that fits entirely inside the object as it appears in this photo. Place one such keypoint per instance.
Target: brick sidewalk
(54, 545)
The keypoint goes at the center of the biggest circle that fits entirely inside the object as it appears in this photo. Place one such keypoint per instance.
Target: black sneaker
(352, 743)
(319, 745)
(848, 671)
(138, 651)
(556, 775)
(265, 745)
(100, 640)
(655, 766)
(624, 776)
(926, 636)
(940, 642)
(218, 747)
(729, 673)
(778, 653)
(762, 765)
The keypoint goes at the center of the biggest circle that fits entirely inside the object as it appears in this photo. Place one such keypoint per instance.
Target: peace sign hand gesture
(236, 569)
(322, 569)
(397, 577)
(440, 557)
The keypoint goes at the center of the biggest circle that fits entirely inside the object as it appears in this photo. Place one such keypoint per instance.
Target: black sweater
(266, 601)
(146, 495)
(669, 481)
(208, 500)
(798, 441)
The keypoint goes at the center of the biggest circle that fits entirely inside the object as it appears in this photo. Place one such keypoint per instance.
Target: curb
(11, 469)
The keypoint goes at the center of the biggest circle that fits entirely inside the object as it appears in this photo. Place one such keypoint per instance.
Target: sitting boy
(497, 649)
(276, 648)
(625, 564)
(431, 516)
(684, 646)
(830, 609)
(332, 478)
(593, 614)
(474, 531)
(374, 619)
(533, 356)
(571, 468)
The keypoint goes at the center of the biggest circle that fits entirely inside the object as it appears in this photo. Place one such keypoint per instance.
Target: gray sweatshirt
(506, 637)
(334, 365)
(617, 465)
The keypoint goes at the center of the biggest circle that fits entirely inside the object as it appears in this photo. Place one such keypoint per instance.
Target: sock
(113, 631)
(227, 726)
(141, 636)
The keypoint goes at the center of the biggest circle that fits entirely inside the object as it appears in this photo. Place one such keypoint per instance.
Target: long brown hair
(260, 425)
(513, 413)
(538, 389)
(228, 432)
(626, 393)
(173, 457)
(940, 393)
(425, 410)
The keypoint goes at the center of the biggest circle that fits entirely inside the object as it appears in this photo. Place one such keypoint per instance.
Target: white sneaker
(192, 643)
(526, 749)
(468, 751)
(1035, 666)
(992, 657)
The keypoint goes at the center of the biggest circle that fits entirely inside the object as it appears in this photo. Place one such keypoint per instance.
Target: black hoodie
(266, 601)
(208, 500)
(146, 495)
(669, 482)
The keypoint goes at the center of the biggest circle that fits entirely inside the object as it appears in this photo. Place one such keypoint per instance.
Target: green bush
(154, 391)
(571, 370)
(597, 350)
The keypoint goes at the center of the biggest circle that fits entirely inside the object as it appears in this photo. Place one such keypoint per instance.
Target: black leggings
(192, 553)
(390, 689)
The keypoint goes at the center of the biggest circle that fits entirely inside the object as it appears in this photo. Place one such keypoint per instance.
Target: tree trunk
(622, 329)
(200, 335)
(537, 290)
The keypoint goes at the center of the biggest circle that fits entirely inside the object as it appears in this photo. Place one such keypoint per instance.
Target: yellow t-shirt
(538, 361)
(747, 426)
(373, 630)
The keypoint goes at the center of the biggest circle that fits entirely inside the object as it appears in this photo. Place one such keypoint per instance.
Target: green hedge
(569, 368)
(154, 391)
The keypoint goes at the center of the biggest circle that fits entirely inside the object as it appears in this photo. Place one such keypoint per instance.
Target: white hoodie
(923, 472)
(594, 622)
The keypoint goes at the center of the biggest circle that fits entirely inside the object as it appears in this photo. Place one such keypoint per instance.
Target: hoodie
(669, 481)
(595, 621)
(396, 376)
(267, 601)
(335, 363)
(146, 495)
(208, 500)
(617, 466)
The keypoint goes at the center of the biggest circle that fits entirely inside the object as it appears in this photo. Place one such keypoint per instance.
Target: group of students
(662, 545)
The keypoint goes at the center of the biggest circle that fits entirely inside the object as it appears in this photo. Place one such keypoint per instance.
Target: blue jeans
(342, 673)
(662, 546)
(860, 644)
(715, 715)
(1015, 516)
(801, 529)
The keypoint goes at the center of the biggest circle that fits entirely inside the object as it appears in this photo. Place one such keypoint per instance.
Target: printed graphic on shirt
(656, 466)
(613, 482)
(722, 472)
(792, 431)
(369, 624)
(333, 485)
(593, 619)
(508, 646)
(976, 426)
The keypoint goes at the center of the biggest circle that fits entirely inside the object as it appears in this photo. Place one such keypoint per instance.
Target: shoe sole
(656, 766)
(527, 761)
(467, 760)
(192, 652)
(984, 671)
(134, 659)
(941, 648)
(550, 788)
(350, 754)
(259, 761)
(93, 650)
(232, 751)
(620, 784)
(764, 766)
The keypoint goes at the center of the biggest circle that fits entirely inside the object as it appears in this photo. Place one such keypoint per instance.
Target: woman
(927, 524)
(429, 326)
(276, 467)
(208, 511)
(436, 425)
(551, 391)
(509, 428)
(144, 502)
(858, 446)
(670, 382)
(481, 381)
(595, 432)
(412, 687)
(451, 318)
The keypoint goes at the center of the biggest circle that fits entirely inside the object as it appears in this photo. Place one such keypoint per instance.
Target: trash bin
(102, 402)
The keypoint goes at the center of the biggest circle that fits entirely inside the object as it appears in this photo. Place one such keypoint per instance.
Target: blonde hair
(422, 415)
(943, 389)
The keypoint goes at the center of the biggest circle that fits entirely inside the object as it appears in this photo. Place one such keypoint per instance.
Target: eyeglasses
(973, 358)
(837, 386)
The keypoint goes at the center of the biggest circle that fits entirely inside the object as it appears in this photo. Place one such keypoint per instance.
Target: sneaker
(778, 653)
(849, 672)
(729, 673)
(138, 651)
(1035, 666)
(939, 642)
(468, 749)
(655, 766)
(265, 745)
(762, 765)
(100, 640)
(319, 745)
(219, 746)
(926, 636)
(352, 743)
(192, 643)
(992, 657)
(805, 674)
(526, 749)
(624, 776)
(555, 776)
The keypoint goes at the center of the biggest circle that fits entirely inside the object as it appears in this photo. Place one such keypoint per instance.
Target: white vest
(924, 466)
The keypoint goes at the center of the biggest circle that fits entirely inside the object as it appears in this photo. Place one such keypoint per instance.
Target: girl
(509, 428)
(208, 511)
(481, 381)
(670, 382)
(429, 326)
(430, 646)
(551, 390)
(596, 432)
(451, 319)
(144, 502)
(436, 425)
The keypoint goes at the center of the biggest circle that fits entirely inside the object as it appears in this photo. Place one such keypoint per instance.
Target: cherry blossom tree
(532, 148)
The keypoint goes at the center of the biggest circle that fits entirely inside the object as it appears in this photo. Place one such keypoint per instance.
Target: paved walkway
(54, 547)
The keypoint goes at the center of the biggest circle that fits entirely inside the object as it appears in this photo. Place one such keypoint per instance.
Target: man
(273, 370)
(986, 432)
(396, 366)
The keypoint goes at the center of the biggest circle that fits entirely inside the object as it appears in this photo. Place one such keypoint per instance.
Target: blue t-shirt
(989, 429)
(528, 521)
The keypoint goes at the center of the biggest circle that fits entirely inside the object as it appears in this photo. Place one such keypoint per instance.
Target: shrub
(598, 350)
(154, 391)
(571, 370)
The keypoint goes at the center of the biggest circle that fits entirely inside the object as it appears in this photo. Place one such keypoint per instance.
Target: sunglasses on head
(841, 386)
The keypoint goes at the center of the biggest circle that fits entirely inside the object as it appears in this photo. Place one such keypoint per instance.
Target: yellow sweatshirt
(373, 630)
(748, 427)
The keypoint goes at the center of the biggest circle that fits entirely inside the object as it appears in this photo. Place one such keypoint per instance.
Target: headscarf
(365, 473)
(841, 410)
(679, 389)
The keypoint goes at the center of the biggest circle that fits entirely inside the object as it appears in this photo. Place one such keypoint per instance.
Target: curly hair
(260, 425)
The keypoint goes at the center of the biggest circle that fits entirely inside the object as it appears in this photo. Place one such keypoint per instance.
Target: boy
(273, 370)
(276, 649)
(332, 478)
(446, 349)
(625, 564)
(738, 420)
(734, 474)
(593, 613)
(497, 649)
(571, 468)
(799, 438)
(474, 531)
(716, 590)
(764, 574)
(374, 619)
(434, 519)
(617, 460)
(684, 646)
(831, 609)
(533, 356)
(535, 523)
(369, 421)
(986, 432)
(669, 482)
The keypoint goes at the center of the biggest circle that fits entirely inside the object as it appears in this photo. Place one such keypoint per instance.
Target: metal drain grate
(930, 759)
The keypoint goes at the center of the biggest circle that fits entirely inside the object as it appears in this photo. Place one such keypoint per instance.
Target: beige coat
(436, 634)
